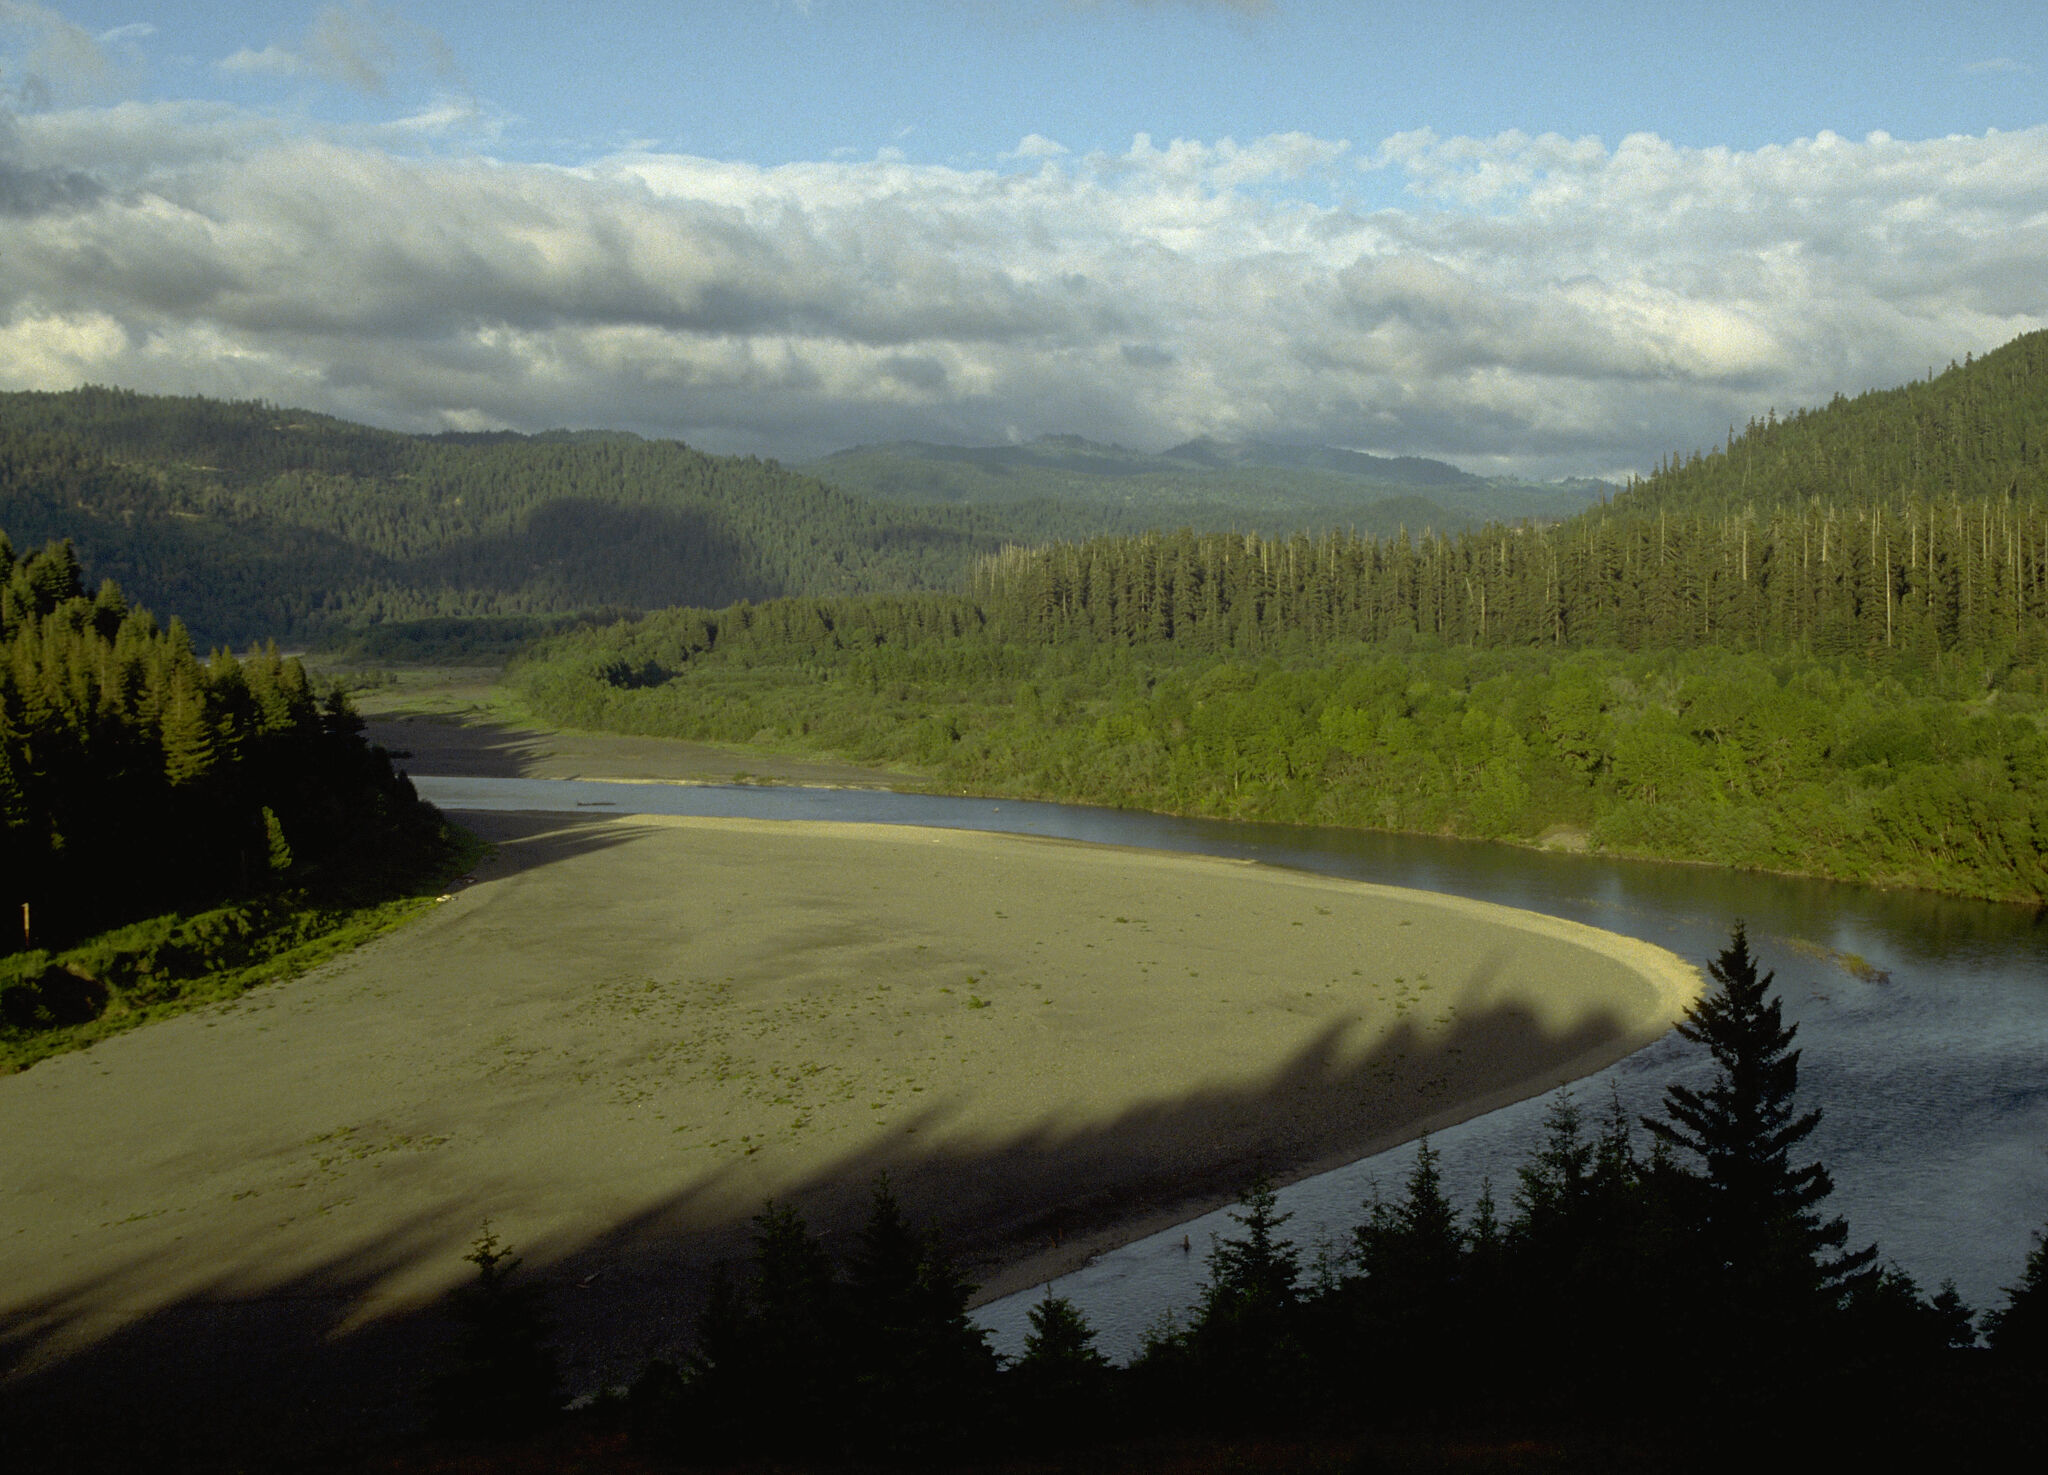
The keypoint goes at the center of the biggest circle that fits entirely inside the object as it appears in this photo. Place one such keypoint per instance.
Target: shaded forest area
(257, 522)
(1852, 685)
(138, 781)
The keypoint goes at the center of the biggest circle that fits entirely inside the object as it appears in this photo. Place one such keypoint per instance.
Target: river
(1929, 1056)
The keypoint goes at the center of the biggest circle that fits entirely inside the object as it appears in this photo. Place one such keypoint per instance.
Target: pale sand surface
(628, 1033)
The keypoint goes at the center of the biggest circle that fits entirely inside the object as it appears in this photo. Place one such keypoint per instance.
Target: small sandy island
(627, 1033)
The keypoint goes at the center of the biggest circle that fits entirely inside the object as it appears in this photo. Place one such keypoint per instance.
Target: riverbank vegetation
(172, 828)
(1657, 1293)
(1784, 762)
(1844, 673)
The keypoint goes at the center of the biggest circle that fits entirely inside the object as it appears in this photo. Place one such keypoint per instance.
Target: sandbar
(627, 1033)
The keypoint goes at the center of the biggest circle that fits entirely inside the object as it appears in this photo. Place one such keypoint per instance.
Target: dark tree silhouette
(502, 1378)
(1061, 1385)
(1768, 1258)
(2019, 1328)
(919, 1366)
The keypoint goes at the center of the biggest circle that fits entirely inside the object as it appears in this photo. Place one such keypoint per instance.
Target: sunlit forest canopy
(137, 777)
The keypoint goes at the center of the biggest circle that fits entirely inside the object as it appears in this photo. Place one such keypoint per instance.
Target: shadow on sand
(320, 1365)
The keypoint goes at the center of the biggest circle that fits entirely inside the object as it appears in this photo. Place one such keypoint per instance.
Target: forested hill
(256, 521)
(1902, 527)
(1979, 429)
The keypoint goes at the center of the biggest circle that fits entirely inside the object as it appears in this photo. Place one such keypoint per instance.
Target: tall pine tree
(1770, 1262)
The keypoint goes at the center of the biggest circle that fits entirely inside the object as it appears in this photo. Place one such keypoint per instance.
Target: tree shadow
(326, 1365)
(429, 743)
(582, 551)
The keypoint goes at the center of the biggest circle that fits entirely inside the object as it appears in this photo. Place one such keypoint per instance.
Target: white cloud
(358, 45)
(271, 61)
(1036, 146)
(1556, 304)
(57, 62)
(1996, 64)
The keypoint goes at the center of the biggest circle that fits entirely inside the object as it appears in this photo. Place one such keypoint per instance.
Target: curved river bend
(1930, 1061)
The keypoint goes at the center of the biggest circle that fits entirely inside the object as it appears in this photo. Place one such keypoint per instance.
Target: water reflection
(1923, 1020)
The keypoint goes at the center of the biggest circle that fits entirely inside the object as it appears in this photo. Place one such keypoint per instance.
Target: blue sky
(1538, 238)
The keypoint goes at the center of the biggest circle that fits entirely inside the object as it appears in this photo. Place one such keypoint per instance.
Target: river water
(1930, 1059)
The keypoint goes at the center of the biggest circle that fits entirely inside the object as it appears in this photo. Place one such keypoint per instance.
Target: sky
(1533, 239)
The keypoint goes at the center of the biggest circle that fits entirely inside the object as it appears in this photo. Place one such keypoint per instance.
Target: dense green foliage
(65, 999)
(1783, 762)
(137, 781)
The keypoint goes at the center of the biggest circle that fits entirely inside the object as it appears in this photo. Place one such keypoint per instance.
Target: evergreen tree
(1768, 1257)
(920, 1367)
(1062, 1382)
(503, 1377)
(770, 1361)
(2019, 1329)
(1411, 1253)
(1242, 1355)
(1410, 1292)
(1060, 1338)
(1552, 1186)
(1255, 1276)
(1957, 1321)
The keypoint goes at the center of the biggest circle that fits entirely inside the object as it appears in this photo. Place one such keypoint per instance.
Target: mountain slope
(257, 521)
(1977, 429)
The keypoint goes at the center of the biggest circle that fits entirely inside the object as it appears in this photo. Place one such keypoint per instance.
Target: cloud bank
(1541, 304)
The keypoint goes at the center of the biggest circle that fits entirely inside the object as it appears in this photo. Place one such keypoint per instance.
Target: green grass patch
(51, 1003)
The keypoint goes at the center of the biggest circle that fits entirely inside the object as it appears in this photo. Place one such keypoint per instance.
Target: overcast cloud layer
(1545, 305)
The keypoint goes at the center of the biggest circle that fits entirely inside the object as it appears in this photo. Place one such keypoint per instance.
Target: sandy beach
(626, 1034)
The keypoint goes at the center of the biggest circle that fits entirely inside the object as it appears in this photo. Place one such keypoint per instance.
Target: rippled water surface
(1930, 1059)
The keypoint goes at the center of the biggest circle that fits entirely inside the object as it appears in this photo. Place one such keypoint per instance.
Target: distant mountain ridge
(1206, 484)
(1078, 454)
(1404, 470)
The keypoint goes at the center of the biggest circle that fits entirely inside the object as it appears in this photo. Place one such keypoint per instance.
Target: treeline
(1901, 587)
(137, 779)
(1783, 762)
(1656, 1293)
